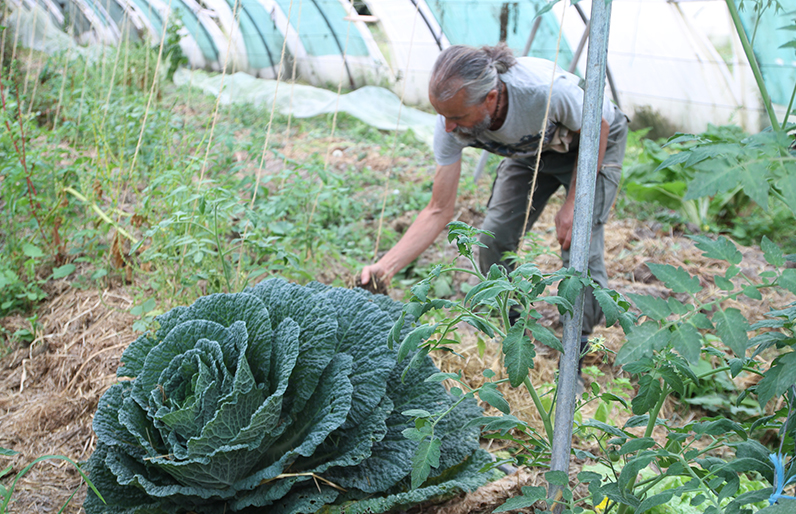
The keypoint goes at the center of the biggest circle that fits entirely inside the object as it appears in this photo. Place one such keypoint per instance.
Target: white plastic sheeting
(662, 59)
(375, 106)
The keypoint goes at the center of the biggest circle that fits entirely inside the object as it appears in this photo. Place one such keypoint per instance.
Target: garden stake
(581, 236)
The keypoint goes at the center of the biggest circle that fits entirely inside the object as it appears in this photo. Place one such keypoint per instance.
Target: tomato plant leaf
(654, 500)
(529, 496)
(426, 457)
(687, 341)
(493, 397)
(777, 379)
(649, 391)
(722, 248)
(732, 326)
(413, 339)
(546, 337)
(609, 305)
(634, 445)
(722, 283)
(772, 253)
(655, 308)
(672, 379)
(569, 288)
(676, 279)
(716, 176)
(787, 185)
(642, 341)
(788, 280)
(519, 351)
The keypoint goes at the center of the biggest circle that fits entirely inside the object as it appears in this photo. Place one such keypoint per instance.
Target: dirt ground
(49, 390)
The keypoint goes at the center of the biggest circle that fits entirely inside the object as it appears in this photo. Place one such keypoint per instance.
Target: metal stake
(581, 236)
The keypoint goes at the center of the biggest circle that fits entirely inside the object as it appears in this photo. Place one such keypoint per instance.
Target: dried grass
(50, 389)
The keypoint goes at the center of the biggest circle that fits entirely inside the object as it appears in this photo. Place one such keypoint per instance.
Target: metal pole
(532, 35)
(581, 235)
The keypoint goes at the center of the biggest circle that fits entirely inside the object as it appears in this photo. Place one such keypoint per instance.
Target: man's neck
(502, 107)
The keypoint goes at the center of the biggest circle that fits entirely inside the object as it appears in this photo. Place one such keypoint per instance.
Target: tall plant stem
(548, 424)
(750, 56)
(790, 106)
(648, 433)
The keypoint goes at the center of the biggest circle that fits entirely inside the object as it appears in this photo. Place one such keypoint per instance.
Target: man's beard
(468, 135)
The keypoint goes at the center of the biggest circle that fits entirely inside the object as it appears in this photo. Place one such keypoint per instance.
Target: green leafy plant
(282, 396)
(7, 491)
(666, 342)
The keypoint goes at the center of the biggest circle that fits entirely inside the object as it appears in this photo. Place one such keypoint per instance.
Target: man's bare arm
(424, 229)
(565, 215)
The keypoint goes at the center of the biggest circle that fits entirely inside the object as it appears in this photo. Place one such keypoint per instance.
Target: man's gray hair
(473, 69)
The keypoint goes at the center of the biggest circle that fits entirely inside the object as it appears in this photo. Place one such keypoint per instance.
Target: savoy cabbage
(280, 399)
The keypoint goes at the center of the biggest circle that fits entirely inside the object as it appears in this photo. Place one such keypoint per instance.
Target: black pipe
(339, 46)
(437, 37)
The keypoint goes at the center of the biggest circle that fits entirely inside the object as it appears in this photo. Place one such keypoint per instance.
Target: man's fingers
(365, 276)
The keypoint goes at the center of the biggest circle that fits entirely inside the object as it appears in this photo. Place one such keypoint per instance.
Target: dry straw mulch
(50, 389)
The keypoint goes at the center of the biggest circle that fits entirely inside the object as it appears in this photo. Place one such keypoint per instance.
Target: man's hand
(564, 224)
(375, 270)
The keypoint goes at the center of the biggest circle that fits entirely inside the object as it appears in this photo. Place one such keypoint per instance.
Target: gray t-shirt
(528, 86)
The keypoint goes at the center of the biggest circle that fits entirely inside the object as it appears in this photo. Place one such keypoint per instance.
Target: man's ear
(491, 98)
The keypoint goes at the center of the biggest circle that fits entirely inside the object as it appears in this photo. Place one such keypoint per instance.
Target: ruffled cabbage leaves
(285, 397)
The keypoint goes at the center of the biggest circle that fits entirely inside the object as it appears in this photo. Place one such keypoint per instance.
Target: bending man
(487, 99)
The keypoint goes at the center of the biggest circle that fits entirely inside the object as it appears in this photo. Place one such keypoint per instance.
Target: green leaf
(490, 291)
(687, 342)
(5, 452)
(608, 429)
(673, 160)
(420, 290)
(426, 457)
(493, 397)
(717, 176)
(570, 288)
(722, 248)
(634, 445)
(546, 337)
(722, 283)
(519, 351)
(441, 377)
(672, 379)
(676, 306)
(676, 279)
(788, 280)
(754, 183)
(787, 185)
(413, 339)
(642, 341)
(752, 292)
(772, 253)
(530, 495)
(32, 251)
(63, 271)
(649, 391)
(778, 378)
(609, 306)
(655, 308)
(557, 478)
(589, 476)
(562, 303)
(654, 501)
(416, 413)
(632, 469)
(732, 326)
